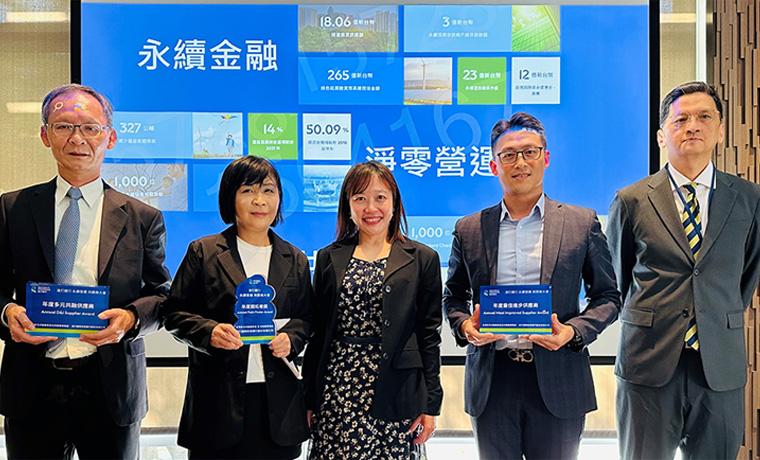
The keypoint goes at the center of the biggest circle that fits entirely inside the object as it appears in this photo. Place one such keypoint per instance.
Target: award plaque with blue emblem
(255, 311)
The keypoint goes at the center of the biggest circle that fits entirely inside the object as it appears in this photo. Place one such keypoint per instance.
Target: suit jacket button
(385, 356)
(270, 374)
(696, 272)
(387, 323)
(387, 289)
(685, 313)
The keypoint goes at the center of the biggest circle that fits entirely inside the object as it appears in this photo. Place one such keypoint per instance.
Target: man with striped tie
(86, 394)
(685, 244)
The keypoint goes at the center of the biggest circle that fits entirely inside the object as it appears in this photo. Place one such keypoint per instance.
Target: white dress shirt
(704, 183)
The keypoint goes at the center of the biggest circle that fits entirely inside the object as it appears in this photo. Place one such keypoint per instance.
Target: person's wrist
(3, 317)
(136, 321)
(576, 342)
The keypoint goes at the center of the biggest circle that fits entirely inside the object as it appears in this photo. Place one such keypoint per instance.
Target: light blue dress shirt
(520, 246)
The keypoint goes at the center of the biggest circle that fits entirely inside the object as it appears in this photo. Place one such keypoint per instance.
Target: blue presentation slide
(457, 28)
(318, 88)
(152, 135)
(355, 80)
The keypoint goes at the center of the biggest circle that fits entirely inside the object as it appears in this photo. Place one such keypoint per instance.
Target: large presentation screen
(318, 87)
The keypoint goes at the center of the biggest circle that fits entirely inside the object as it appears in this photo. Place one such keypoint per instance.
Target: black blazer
(130, 261)
(202, 296)
(408, 383)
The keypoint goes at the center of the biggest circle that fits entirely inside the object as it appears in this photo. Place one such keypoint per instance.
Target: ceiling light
(23, 107)
(36, 16)
(678, 18)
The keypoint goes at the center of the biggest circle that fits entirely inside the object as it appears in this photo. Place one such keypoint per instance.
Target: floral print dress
(345, 427)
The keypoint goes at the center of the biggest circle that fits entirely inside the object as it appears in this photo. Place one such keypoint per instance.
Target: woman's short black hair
(248, 170)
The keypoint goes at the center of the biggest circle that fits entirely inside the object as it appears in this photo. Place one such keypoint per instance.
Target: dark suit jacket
(130, 261)
(408, 383)
(574, 248)
(202, 296)
(664, 286)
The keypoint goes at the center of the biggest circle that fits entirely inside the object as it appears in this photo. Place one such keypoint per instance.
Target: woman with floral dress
(372, 367)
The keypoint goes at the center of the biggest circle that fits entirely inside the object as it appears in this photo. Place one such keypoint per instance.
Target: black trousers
(257, 441)
(686, 413)
(516, 422)
(72, 417)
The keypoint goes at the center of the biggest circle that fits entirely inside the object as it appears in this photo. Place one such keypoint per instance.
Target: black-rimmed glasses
(508, 157)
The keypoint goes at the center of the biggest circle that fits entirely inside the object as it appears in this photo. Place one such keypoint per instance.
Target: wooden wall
(736, 73)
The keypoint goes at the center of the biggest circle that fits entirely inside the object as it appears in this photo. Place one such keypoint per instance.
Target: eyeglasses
(508, 157)
(66, 130)
(704, 117)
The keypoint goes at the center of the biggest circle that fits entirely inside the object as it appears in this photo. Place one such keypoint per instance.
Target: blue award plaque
(524, 309)
(255, 311)
(63, 310)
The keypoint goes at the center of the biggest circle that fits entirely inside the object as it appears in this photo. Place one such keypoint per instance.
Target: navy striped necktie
(692, 225)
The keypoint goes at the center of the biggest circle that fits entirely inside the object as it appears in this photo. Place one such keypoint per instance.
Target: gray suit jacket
(574, 250)
(130, 261)
(663, 286)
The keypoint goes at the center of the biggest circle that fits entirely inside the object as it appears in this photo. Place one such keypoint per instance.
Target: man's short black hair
(248, 170)
(519, 121)
(689, 88)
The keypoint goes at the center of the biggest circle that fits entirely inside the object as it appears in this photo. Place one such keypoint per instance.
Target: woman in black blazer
(241, 401)
(372, 368)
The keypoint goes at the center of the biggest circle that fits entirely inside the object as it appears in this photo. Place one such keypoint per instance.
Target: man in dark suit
(528, 395)
(681, 363)
(86, 394)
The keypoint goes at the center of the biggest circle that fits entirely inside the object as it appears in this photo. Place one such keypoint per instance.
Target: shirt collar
(704, 178)
(91, 192)
(537, 208)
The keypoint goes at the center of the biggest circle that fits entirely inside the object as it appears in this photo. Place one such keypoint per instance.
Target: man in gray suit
(528, 395)
(681, 364)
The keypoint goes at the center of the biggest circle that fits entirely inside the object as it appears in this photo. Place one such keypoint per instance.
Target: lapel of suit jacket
(661, 197)
(229, 256)
(489, 225)
(43, 212)
(340, 255)
(554, 221)
(280, 264)
(111, 224)
(723, 200)
(400, 256)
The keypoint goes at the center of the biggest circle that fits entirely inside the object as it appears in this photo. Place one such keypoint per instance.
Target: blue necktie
(66, 247)
(68, 235)
(693, 229)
